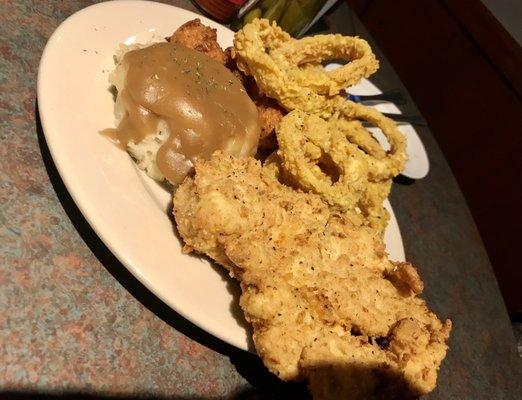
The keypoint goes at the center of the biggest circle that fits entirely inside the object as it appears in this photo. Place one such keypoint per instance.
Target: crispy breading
(270, 115)
(230, 63)
(321, 293)
(194, 35)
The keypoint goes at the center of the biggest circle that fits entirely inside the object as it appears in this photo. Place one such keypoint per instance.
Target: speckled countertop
(74, 322)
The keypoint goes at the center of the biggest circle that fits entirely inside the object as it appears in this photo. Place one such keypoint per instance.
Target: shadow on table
(247, 364)
(28, 395)
(355, 381)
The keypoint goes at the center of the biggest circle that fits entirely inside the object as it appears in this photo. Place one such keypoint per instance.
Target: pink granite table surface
(75, 323)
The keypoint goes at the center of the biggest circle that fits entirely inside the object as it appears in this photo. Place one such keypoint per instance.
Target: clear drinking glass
(291, 15)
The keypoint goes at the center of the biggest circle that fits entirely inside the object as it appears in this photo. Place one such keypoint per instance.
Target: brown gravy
(204, 105)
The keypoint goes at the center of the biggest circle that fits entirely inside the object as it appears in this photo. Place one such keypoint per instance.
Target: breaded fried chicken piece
(230, 63)
(325, 302)
(194, 35)
(270, 115)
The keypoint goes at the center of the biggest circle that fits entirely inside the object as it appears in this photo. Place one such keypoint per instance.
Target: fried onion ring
(380, 167)
(279, 65)
(324, 147)
(318, 156)
(360, 61)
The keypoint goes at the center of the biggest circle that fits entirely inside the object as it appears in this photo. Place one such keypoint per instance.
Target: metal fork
(407, 119)
(402, 119)
(392, 96)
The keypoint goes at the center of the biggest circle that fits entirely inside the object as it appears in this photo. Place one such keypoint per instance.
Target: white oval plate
(127, 209)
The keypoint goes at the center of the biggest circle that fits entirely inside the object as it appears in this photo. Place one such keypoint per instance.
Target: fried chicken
(270, 115)
(325, 302)
(194, 35)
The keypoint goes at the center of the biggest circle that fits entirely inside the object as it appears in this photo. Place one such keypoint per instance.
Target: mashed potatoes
(143, 152)
(175, 105)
